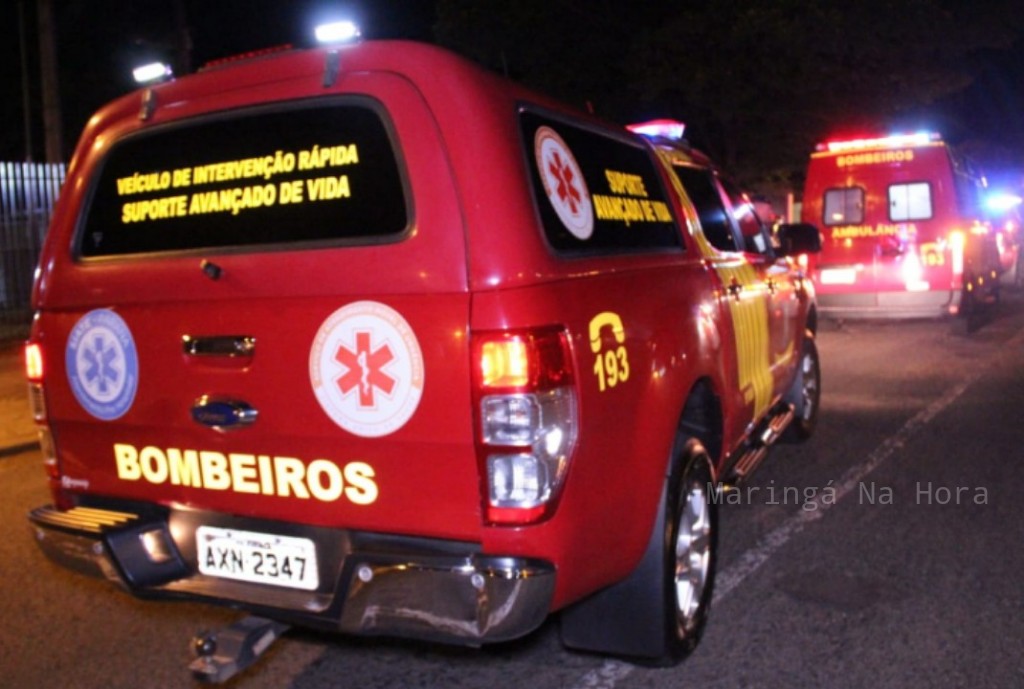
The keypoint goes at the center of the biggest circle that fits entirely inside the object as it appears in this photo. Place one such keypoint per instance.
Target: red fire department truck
(368, 339)
(903, 228)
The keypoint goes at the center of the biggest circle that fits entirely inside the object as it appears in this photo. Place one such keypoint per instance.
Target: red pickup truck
(371, 340)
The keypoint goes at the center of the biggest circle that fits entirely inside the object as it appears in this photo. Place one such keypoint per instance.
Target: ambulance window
(910, 201)
(700, 186)
(596, 192)
(266, 176)
(844, 206)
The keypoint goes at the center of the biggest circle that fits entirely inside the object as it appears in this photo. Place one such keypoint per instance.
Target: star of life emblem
(563, 182)
(366, 369)
(102, 364)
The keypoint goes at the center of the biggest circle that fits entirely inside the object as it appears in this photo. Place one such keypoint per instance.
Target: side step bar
(757, 446)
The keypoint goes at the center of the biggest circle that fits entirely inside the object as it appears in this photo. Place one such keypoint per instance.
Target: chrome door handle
(219, 345)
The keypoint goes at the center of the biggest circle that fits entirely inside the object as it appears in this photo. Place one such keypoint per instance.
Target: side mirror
(798, 238)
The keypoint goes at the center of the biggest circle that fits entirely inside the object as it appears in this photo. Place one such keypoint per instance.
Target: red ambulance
(368, 339)
(903, 229)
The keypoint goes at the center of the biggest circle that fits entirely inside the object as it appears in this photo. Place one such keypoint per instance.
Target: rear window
(844, 206)
(323, 173)
(910, 201)
(596, 193)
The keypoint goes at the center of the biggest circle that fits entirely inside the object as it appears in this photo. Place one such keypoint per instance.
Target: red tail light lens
(526, 420)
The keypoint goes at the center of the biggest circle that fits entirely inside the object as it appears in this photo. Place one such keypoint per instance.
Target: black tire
(656, 615)
(691, 548)
(805, 393)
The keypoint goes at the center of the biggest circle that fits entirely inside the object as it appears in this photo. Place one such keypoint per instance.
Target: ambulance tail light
(527, 421)
(957, 240)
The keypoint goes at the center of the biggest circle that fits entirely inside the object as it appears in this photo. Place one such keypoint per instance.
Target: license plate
(838, 276)
(257, 557)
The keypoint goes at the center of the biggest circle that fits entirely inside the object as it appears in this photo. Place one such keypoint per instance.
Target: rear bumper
(930, 304)
(370, 584)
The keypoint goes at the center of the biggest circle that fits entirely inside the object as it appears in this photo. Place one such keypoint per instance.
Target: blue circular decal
(103, 367)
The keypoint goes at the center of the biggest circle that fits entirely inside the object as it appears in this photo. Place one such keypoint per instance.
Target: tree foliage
(758, 83)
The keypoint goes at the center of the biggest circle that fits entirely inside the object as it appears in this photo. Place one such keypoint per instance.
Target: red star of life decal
(566, 190)
(365, 369)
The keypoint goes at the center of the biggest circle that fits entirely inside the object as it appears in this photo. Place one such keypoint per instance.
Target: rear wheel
(692, 539)
(657, 615)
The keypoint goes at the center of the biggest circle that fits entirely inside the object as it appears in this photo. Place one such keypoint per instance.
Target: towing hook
(221, 655)
(204, 644)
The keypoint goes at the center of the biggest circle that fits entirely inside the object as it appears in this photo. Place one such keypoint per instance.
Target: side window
(323, 173)
(910, 201)
(596, 191)
(714, 218)
(844, 206)
(752, 230)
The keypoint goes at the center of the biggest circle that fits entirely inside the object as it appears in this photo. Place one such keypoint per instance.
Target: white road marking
(612, 672)
(753, 559)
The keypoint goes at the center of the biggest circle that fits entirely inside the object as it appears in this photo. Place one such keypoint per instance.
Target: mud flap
(618, 620)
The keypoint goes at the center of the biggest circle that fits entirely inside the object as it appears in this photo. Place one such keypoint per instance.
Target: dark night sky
(100, 40)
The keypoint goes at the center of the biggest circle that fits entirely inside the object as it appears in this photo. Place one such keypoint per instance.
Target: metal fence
(28, 192)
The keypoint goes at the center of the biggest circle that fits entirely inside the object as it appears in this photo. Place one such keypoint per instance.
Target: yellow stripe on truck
(750, 325)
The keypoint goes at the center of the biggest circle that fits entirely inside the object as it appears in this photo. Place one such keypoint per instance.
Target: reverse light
(527, 420)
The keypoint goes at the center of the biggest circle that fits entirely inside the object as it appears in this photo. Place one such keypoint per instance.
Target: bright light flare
(1000, 202)
(337, 32)
(957, 240)
(670, 129)
(34, 362)
(505, 363)
(152, 73)
(894, 141)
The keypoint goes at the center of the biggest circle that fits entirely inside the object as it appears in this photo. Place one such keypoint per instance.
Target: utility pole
(50, 82)
(26, 101)
(183, 39)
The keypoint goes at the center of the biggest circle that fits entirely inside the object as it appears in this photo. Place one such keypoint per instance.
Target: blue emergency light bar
(669, 129)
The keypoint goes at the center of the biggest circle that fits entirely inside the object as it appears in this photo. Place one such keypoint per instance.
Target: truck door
(773, 278)
(744, 292)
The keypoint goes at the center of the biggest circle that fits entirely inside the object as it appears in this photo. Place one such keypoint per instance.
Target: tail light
(526, 412)
(957, 239)
(34, 375)
(35, 368)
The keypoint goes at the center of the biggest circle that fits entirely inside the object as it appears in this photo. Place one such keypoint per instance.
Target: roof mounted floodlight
(152, 73)
(333, 33)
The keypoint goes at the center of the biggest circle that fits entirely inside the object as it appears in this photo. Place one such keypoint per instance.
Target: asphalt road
(885, 552)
